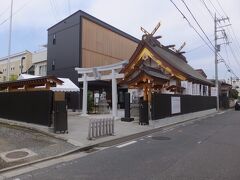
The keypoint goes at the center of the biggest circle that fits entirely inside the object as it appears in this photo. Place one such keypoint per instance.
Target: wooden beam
(104, 77)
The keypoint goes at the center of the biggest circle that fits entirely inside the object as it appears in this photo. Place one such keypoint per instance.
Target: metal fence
(162, 105)
(30, 106)
(99, 127)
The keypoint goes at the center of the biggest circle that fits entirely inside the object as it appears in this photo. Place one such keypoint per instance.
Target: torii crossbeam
(96, 75)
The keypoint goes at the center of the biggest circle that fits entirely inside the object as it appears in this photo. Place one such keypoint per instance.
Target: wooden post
(145, 97)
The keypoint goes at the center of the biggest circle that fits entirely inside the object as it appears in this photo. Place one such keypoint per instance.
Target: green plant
(233, 93)
(13, 77)
(90, 102)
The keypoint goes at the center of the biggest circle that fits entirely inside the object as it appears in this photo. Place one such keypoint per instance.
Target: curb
(101, 144)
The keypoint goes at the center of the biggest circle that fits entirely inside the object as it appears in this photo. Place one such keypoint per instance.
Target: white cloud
(127, 15)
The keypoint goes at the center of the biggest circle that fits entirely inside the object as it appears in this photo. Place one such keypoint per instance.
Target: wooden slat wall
(101, 46)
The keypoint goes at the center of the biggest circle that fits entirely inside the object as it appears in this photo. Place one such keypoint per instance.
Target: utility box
(60, 113)
(143, 112)
(127, 117)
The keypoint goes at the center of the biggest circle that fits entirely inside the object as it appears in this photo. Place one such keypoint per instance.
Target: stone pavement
(20, 145)
(124, 131)
(78, 127)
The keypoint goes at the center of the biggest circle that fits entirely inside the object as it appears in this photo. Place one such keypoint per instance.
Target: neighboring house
(82, 40)
(19, 62)
(224, 89)
(235, 82)
(201, 71)
(39, 63)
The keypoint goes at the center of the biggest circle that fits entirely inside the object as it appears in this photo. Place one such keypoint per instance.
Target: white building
(39, 60)
(19, 63)
(235, 84)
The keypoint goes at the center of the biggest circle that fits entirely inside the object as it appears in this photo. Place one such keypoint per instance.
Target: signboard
(213, 91)
(176, 105)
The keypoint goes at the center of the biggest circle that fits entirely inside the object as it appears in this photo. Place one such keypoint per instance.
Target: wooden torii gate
(95, 73)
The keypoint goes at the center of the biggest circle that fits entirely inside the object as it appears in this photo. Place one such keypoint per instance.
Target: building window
(43, 70)
(54, 39)
(53, 65)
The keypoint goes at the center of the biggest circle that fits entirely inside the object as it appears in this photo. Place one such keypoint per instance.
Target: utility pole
(9, 42)
(216, 61)
(217, 29)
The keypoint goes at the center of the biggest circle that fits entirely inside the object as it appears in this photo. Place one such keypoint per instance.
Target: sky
(32, 18)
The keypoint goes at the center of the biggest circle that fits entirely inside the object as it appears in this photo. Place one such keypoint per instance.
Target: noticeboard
(176, 105)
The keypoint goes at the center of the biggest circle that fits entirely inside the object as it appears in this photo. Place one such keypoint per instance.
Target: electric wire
(198, 23)
(4, 11)
(213, 50)
(209, 11)
(211, 14)
(219, 4)
(16, 12)
(227, 56)
(233, 39)
(215, 8)
(69, 7)
(192, 26)
(53, 9)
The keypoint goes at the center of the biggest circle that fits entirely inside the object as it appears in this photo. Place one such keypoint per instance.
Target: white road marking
(126, 144)
(221, 113)
(141, 139)
(149, 136)
(199, 142)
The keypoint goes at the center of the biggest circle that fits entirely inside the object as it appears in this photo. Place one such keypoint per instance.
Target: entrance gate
(99, 73)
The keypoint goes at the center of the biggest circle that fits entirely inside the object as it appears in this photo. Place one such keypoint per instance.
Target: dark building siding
(66, 52)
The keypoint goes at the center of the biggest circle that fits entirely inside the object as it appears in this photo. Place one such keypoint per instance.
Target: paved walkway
(78, 127)
(22, 145)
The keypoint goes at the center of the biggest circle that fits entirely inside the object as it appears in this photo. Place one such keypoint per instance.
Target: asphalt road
(202, 150)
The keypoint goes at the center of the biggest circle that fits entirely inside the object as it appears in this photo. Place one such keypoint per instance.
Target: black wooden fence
(32, 107)
(162, 104)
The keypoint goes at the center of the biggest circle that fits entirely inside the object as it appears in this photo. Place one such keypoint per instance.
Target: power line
(211, 14)
(69, 7)
(205, 5)
(197, 23)
(196, 48)
(234, 55)
(227, 54)
(4, 11)
(191, 25)
(235, 37)
(215, 8)
(55, 6)
(54, 12)
(213, 50)
(222, 8)
(15, 13)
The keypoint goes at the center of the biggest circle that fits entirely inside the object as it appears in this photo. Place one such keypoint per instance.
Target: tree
(13, 77)
(233, 93)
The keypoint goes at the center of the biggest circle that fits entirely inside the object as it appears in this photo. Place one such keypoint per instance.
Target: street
(207, 149)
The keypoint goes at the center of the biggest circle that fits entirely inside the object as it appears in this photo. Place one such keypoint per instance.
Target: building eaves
(178, 63)
(99, 22)
(15, 55)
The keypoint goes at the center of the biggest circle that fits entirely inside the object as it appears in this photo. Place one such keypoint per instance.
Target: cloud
(32, 21)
